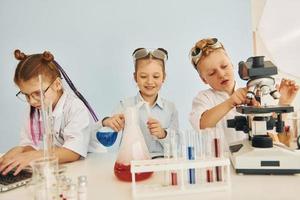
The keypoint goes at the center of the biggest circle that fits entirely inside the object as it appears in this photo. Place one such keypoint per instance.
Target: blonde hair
(203, 48)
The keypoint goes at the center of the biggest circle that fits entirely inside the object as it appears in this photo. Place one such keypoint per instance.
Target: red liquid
(218, 154)
(219, 173)
(209, 175)
(122, 172)
(174, 178)
(217, 147)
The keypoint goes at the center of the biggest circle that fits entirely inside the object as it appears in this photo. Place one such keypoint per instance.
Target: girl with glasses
(71, 114)
(214, 106)
(149, 75)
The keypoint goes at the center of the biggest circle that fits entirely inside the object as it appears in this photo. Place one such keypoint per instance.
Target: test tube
(149, 115)
(184, 145)
(191, 156)
(166, 156)
(174, 143)
(295, 126)
(208, 144)
(46, 109)
(200, 155)
(217, 152)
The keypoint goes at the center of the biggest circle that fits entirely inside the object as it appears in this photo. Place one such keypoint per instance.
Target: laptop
(10, 181)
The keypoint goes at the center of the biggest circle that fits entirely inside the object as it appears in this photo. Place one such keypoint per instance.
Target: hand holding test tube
(153, 124)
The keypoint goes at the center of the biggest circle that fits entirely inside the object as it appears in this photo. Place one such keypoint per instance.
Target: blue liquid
(192, 172)
(191, 153)
(107, 138)
(192, 176)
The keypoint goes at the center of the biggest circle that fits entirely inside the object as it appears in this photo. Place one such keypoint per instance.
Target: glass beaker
(45, 178)
(133, 147)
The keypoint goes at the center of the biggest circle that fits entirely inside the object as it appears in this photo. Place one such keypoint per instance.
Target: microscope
(259, 154)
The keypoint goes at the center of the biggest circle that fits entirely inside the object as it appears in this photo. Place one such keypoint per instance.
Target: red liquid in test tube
(174, 178)
(209, 175)
(217, 148)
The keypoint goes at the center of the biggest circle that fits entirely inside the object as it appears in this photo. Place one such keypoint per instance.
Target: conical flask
(132, 147)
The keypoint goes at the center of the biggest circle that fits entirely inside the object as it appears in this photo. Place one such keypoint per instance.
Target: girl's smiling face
(149, 77)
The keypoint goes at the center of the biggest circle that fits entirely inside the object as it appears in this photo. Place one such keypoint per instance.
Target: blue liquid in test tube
(192, 172)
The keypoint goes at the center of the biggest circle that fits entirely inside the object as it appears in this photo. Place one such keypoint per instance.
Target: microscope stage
(265, 109)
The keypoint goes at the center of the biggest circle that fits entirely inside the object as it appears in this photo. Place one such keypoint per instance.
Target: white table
(102, 184)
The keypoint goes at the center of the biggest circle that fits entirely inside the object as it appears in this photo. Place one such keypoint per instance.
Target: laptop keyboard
(10, 178)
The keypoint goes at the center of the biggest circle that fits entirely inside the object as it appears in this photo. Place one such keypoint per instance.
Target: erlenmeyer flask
(106, 136)
(133, 147)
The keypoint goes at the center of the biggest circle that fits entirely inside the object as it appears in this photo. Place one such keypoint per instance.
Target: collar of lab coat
(60, 104)
(158, 101)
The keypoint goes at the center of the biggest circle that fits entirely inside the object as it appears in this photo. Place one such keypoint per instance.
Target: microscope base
(276, 160)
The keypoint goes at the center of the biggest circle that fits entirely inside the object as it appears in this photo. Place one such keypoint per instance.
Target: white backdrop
(279, 28)
(93, 41)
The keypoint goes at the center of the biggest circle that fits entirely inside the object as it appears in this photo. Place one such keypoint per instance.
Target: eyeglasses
(36, 95)
(196, 52)
(159, 53)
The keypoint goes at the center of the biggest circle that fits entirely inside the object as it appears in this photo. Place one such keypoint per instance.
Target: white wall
(280, 48)
(93, 41)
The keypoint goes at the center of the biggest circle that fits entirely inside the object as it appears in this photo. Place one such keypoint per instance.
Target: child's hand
(285, 138)
(11, 153)
(155, 128)
(19, 161)
(288, 91)
(116, 122)
(238, 97)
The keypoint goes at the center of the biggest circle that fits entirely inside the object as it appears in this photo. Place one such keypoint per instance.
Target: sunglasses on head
(196, 52)
(158, 53)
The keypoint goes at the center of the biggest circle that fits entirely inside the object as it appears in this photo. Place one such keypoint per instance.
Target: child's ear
(58, 84)
(134, 76)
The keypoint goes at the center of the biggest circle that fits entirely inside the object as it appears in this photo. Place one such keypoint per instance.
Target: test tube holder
(181, 166)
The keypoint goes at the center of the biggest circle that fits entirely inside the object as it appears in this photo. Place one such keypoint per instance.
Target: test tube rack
(180, 165)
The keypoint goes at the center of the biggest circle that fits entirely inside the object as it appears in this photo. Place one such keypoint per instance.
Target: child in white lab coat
(72, 122)
(214, 106)
(149, 76)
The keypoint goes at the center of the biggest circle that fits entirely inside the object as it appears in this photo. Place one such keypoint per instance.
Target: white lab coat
(208, 99)
(72, 126)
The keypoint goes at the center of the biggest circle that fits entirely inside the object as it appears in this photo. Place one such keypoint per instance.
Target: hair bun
(19, 55)
(47, 56)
